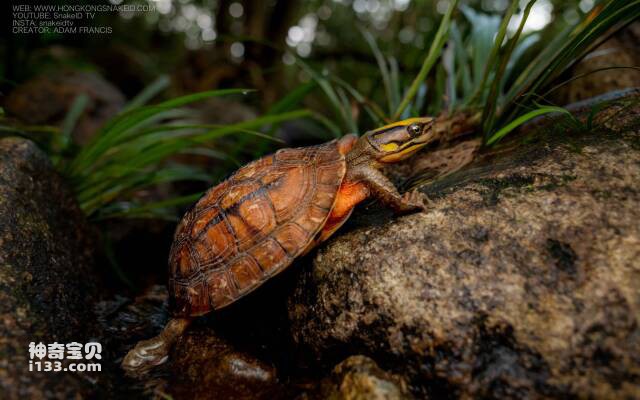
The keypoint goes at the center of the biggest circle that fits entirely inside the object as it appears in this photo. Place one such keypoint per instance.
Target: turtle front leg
(382, 189)
(155, 351)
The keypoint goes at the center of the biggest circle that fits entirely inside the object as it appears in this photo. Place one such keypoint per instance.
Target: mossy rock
(521, 280)
(47, 285)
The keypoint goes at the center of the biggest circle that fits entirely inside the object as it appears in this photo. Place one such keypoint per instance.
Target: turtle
(252, 226)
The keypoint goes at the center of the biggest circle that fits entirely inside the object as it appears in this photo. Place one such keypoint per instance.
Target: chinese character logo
(37, 350)
(93, 349)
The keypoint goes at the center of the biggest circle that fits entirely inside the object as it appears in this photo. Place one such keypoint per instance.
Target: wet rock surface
(46, 281)
(521, 280)
(360, 378)
(202, 364)
(211, 365)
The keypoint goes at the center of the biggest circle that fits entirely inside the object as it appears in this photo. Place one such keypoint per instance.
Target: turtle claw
(146, 355)
(414, 201)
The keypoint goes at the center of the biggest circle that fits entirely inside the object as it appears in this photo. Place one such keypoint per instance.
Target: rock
(48, 98)
(201, 362)
(46, 280)
(209, 364)
(360, 378)
(441, 161)
(522, 279)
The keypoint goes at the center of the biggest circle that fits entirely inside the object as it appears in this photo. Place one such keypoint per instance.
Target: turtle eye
(414, 130)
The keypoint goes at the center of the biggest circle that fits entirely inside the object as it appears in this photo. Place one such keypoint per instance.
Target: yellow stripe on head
(390, 146)
(404, 122)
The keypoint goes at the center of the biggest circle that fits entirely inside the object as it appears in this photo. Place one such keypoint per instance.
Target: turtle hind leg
(155, 351)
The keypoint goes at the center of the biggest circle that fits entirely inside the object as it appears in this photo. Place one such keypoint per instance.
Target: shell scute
(216, 243)
(211, 196)
(246, 273)
(288, 191)
(326, 174)
(184, 264)
(290, 236)
(293, 156)
(329, 157)
(221, 289)
(324, 198)
(258, 215)
(251, 221)
(311, 218)
(254, 168)
(269, 254)
(236, 194)
(192, 299)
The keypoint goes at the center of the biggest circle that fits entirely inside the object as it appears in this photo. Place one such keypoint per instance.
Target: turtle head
(400, 140)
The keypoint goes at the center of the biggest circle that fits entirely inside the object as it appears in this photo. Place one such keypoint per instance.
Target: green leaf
(394, 80)
(373, 110)
(292, 99)
(433, 54)
(449, 66)
(149, 92)
(569, 47)
(523, 119)
(489, 111)
(382, 66)
(333, 128)
(126, 155)
(71, 119)
(332, 95)
(478, 37)
(122, 125)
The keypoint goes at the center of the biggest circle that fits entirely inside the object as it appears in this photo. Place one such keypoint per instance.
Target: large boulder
(521, 280)
(46, 281)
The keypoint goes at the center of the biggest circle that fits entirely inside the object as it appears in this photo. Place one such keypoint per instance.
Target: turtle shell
(252, 226)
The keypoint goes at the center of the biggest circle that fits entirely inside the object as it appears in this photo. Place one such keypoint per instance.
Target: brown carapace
(253, 225)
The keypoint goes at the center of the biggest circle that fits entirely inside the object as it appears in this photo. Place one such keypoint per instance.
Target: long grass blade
(373, 109)
(119, 126)
(502, 132)
(71, 119)
(571, 46)
(493, 54)
(584, 75)
(449, 66)
(330, 92)
(463, 74)
(429, 61)
(382, 66)
(133, 165)
(489, 111)
(148, 93)
(292, 99)
(394, 80)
